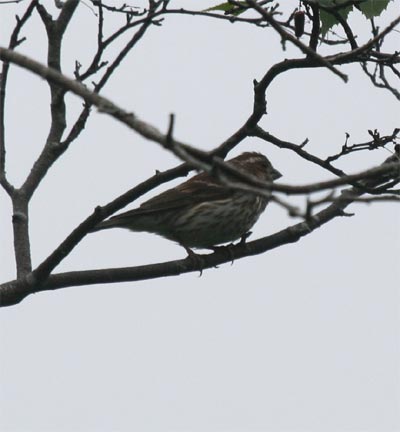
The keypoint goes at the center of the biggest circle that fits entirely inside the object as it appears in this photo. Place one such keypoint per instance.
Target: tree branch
(40, 279)
(376, 142)
(363, 49)
(52, 150)
(315, 27)
(22, 247)
(100, 213)
(84, 115)
(287, 36)
(388, 170)
(298, 149)
(15, 291)
(102, 103)
(14, 42)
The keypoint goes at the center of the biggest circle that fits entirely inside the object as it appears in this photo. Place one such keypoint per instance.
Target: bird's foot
(244, 237)
(229, 248)
(225, 249)
(196, 259)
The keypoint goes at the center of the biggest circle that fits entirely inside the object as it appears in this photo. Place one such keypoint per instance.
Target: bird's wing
(182, 196)
(194, 191)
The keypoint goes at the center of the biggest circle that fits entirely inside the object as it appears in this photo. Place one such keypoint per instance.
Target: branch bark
(15, 291)
(41, 278)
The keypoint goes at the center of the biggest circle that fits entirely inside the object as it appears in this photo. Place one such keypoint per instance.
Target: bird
(201, 213)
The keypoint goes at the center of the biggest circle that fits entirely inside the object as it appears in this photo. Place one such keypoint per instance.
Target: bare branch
(96, 65)
(298, 149)
(65, 16)
(100, 213)
(20, 206)
(379, 179)
(102, 103)
(287, 36)
(376, 142)
(15, 291)
(14, 42)
(315, 28)
(361, 51)
(388, 171)
(9, 1)
(378, 175)
(125, 9)
(259, 22)
(145, 129)
(52, 150)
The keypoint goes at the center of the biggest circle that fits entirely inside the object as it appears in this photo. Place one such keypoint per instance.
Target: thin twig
(14, 42)
(287, 36)
(14, 291)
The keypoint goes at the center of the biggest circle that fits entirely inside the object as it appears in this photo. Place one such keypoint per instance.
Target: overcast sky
(303, 338)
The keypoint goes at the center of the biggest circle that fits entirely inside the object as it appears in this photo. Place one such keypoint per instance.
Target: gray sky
(303, 338)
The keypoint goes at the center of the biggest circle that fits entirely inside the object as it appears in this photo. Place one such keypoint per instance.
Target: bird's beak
(276, 174)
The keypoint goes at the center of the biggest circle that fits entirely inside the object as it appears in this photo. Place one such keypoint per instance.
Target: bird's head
(256, 164)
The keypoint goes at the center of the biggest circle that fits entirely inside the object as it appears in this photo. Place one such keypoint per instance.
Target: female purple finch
(201, 212)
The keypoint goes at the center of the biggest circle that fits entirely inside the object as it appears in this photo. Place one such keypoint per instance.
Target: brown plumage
(201, 212)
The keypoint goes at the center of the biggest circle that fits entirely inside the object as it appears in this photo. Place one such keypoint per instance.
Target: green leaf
(227, 8)
(327, 19)
(330, 3)
(373, 8)
(369, 8)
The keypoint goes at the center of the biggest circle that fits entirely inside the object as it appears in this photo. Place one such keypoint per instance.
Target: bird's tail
(129, 220)
(103, 225)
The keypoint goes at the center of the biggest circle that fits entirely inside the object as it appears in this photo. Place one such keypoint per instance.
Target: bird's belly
(218, 222)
